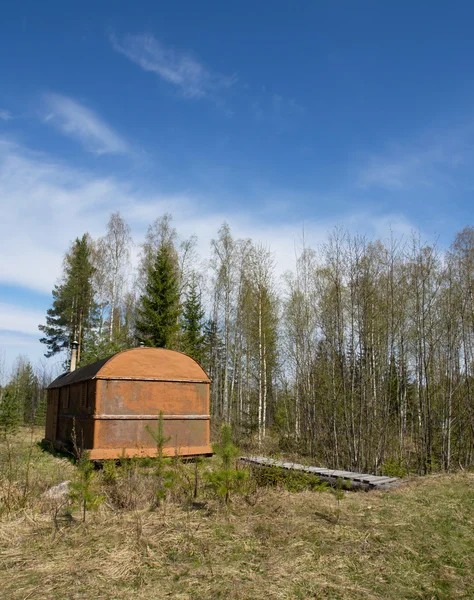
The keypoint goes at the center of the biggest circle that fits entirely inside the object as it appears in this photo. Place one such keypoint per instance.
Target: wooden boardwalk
(331, 476)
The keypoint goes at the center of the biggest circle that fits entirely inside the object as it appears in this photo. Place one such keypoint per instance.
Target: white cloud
(5, 115)
(83, 124)
(45, 204)
(178, 68)
(18, 319)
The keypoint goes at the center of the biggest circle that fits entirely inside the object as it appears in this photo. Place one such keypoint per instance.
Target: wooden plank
(318, 470)
(379, 479)
(370, 478)
(341, 474)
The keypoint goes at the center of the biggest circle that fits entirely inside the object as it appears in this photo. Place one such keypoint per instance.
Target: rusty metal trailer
(109, 404)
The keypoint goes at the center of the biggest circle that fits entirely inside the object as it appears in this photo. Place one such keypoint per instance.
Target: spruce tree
(192, 323)
(26, 386)
(74, 312)
(10, 411)
(158, 314)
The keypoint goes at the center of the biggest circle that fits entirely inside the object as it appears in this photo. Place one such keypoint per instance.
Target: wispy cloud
(443, 159)
(394, 173)
(5, 115)
(83, 124)
(280, 112)
(55, 202)
(179, 68)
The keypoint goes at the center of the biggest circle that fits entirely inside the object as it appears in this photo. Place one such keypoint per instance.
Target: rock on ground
(58, 492)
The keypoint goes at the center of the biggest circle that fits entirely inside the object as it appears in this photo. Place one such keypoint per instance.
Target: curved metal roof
(154, 364)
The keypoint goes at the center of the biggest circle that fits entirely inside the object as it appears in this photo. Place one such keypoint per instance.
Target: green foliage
(163, 475)
(157, 322)
(293, 481)
(110, 471)
(26, 386)
(25, 394)
(101, 345)
(74, 312)
(227, 479)
(281, 420)
(98, 348)
(212, 349)
(123, 481)
(192, 322)
(10, 412)
(394, 468)
(82, 490)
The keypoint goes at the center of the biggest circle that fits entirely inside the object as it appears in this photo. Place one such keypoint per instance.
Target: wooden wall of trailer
(71, 407)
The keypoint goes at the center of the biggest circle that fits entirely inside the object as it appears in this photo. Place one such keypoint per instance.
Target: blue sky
(270, 115)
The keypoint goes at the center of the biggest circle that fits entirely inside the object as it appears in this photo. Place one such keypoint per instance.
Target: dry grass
(413, 542)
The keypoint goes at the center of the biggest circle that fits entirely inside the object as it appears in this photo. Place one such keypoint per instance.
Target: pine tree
(192, 323)
(74, 312)
(157, 320)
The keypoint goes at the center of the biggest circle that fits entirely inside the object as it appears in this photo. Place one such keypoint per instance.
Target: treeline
(23, 398)
(361, 357)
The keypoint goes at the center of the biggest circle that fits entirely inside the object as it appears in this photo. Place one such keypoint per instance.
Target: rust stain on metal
(110, 403)
(156, 363)
(151, 417)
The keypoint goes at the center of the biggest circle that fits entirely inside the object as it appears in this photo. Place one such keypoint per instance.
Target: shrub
(293, 481)
(394, 468)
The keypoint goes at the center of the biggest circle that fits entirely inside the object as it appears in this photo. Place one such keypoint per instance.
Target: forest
(361, 358)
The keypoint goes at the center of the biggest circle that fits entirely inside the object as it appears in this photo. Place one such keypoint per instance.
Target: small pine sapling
(82, 490)
(122, 481)
(227, 479)
(338, 492)
(197, 462)
(164, 477)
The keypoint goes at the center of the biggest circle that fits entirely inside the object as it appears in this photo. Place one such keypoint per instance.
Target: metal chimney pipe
(73, 363)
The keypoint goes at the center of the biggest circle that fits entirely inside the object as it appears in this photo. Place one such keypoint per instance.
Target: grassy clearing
(413, 542)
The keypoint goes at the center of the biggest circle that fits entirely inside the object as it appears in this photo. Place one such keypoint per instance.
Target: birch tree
(114, 251)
